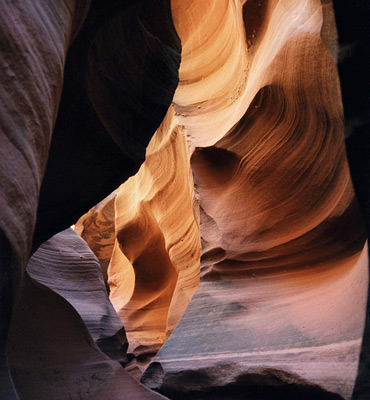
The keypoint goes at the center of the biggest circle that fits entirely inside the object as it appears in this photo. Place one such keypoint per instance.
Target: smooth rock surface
(154, 269)
(34, 38)
(97, 228)
(66, 265)
(257, 126)
(284, 270)
(53, 356)
(78, 99)
(264, 331)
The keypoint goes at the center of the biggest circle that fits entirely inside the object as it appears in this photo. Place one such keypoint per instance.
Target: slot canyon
(185, 200)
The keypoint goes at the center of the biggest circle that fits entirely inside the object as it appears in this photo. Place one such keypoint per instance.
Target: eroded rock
(154, 270)
(284, 270)
(66, 265)
(62, 120)
(52, 354)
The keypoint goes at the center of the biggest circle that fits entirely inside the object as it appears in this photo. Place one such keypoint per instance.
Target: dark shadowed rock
(66, 265)
(52, 354)
(120, 59)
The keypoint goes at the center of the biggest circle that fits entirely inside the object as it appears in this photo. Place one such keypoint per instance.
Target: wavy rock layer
(52, 354)
(66, 265)
(97, 228)
(283, 269)
(77, 123)
(154, 269)
(34, 40)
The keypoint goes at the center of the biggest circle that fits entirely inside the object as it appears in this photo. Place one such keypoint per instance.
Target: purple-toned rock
(52, 354)
(66, 265)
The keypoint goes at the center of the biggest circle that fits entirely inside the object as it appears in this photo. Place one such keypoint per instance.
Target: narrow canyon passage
(227, 258)
(284, 270)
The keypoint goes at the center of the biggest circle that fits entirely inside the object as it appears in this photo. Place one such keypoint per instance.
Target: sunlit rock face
(154, 269)
(280, 309)
(247, 165)
(96, 227)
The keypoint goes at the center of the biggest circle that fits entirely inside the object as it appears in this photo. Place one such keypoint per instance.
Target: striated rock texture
(284, 271)
(96, 227)
(52, 354)
(73, 126)
(66, 265)
(256, 126)
(154, 269)
(34, 39)
(62, 314)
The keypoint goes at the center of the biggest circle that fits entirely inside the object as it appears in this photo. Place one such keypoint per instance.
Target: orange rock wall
(96, 227)
(257, 127)
(154, 269)
(283, 268)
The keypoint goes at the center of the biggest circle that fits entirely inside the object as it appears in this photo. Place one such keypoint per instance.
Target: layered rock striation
(51, 353)
(80, 104)
(34, 40)
(66, 265)
(245, 185)
(154, 269)
(62, 326)
(284, 269)
(97, 228)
